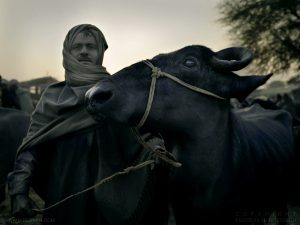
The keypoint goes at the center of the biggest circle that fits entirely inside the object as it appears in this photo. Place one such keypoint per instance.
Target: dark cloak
(78, 160)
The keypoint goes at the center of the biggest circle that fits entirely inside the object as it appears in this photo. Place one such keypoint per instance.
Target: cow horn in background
(244, 85)
(232, 59)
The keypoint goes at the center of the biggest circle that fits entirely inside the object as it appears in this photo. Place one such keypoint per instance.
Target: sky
(32, 31)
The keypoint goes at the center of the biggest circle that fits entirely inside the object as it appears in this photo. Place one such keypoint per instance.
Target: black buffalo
(13, 127)
(234, 161)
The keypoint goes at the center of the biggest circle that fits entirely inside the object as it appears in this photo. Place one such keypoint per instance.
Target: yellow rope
(150, 100)
(101, 182)
(164, 155)
(157, 73)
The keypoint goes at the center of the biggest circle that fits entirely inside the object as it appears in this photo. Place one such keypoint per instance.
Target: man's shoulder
(55, 85)
(53, 89)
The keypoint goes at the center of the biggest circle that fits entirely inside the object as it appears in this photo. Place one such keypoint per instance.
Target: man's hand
(22, 206)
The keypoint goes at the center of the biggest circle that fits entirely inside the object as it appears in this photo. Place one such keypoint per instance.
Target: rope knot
(156, 72)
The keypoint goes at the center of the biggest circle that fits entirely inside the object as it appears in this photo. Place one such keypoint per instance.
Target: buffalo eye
(189, 63)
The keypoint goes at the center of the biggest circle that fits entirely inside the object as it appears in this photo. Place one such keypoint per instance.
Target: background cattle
(13, 127)
(234, 161)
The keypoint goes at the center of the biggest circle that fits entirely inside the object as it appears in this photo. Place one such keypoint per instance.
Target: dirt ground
(6, 218)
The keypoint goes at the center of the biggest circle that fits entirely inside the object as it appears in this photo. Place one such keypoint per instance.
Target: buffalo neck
(202, 145)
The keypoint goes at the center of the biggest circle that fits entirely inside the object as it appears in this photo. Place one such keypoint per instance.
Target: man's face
(84, 49)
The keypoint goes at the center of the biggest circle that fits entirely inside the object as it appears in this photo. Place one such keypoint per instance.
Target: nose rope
(157, 73)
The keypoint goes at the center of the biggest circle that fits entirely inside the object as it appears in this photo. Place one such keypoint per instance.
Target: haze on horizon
(32, 31)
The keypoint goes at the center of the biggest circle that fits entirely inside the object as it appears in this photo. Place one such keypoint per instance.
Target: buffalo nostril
(101, 97)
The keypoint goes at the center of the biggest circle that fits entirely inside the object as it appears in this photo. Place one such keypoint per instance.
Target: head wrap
(77, 74)
(60, 109)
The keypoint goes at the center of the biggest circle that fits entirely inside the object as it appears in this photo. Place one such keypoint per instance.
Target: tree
(270, 28)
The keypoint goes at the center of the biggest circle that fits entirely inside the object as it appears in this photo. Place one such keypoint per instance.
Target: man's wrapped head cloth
(77, 74)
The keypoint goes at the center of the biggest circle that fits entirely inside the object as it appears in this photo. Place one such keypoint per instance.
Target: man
(66, 150)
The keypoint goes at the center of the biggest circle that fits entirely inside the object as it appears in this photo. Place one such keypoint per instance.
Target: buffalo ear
(231, 59)
(244, 85)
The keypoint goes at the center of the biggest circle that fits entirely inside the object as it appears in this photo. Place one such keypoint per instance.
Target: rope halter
(157, 73)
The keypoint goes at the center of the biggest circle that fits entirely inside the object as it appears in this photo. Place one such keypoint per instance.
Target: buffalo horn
(244, 85)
